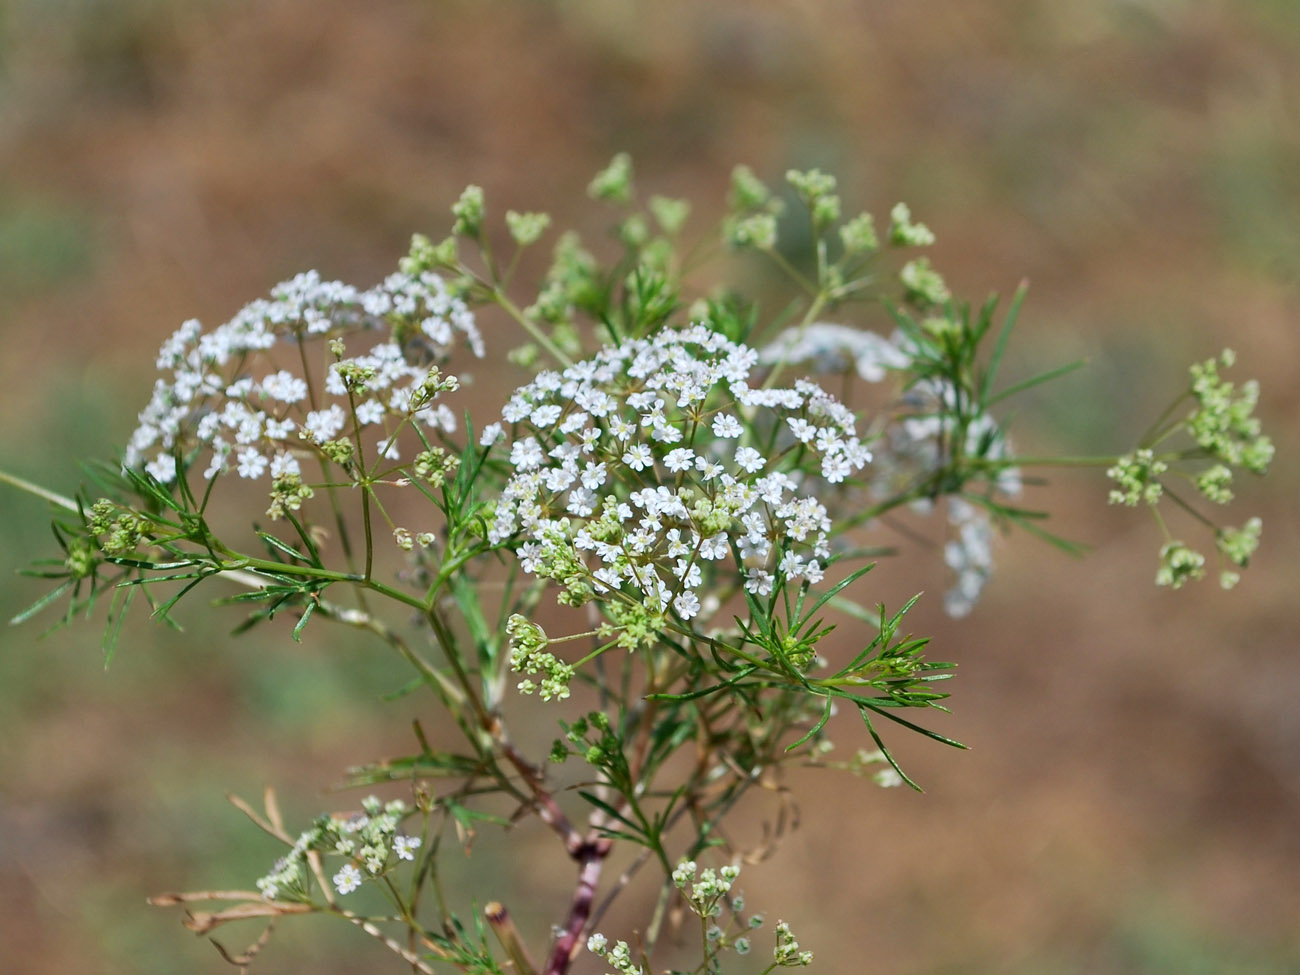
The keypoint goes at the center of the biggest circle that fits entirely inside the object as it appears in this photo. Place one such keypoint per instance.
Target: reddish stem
(590, 854)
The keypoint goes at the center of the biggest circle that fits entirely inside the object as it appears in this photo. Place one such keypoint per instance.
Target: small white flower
(758, 582)
(727, 426)
(593, 476)
(714, 547)
(638, 457)
(322, 425)
(750, 459)
(371, 411)
(887, 778)
(687, 604)
(490, 435)
(526, 454)
(285, 387)
(251, 463)
(680, 459)
(405, 846)
(162, 468)
(545, 416)
(284, 463)
(348, 879)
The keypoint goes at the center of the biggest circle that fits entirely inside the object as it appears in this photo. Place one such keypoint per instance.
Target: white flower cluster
(920, 441)
(649, 465)
(619, 956)
(223, 394)
(969, 553)
(836, 348)
(705, 889)
(369, 839)
(787, 953)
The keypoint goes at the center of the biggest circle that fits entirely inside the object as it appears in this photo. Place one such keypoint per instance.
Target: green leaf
(889, 756)
(302, 623)
(434, 765)
(999, 347)
(826, 716)
(704, 692)
(152, 566)
(162, 611)
(113, 628)
(613, 813)
(285, 548)
(40, 604)
(835, 591)
(410, 687)
(1037, 380)
(876, 707)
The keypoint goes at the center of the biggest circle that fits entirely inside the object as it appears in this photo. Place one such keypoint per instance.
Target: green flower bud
(747, 191)
(671, 214)
(526, 228)
(757, 231)
(468, 211)
(1178, 565)
(904, 233)
(613, 183)
(922, 283)
(859, 235)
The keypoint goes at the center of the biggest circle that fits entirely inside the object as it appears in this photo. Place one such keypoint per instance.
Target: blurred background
(1131, 797)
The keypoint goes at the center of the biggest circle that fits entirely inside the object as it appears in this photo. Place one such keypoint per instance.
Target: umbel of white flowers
(225, 396)
(647, 467)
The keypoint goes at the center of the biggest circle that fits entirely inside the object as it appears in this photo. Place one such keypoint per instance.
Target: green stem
(1155, 433)
(340, 523)
(529, 326)
(40, 492)
(1191, 511)
(1041, 462)
(792, 271)
(819, 302)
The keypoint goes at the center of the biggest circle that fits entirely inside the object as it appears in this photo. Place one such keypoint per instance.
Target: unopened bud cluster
(528, 655)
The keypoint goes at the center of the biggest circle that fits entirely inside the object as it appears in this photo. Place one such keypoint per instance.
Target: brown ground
(1131, 797)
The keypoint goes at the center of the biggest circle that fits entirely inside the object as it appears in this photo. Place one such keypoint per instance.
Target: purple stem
(590, 854)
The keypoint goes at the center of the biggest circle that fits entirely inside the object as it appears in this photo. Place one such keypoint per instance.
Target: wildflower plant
(656, 536)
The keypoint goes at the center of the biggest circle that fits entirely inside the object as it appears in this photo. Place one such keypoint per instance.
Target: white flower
(251, 463)
(714, 547)
(321, 425)
(638, 457)
(749, 459)
(284, 386)
(371, 411)
(526, 454)
(680, 459)
(347, 879)
(593, 476)
(758, 582)
(162, 468)
(405, 846)
(284, 463)
(727, 426)
(969, 554)
(687, 604)
(490, 435)
(887, 778)
(545, 416)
